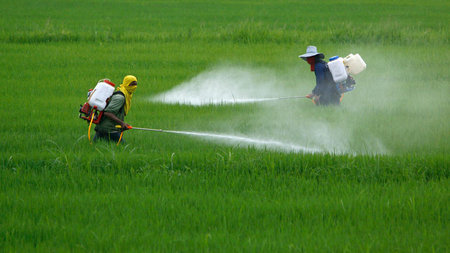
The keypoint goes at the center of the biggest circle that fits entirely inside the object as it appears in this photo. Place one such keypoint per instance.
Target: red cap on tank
(110, 83)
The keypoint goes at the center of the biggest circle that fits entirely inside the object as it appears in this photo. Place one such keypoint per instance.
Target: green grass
(222, 200)
(383, 22)
(165, 192)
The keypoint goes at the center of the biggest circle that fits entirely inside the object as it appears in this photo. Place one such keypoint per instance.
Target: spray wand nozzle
(145, 129)
(121, 128)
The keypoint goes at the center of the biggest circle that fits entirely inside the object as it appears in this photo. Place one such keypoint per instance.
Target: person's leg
(115, 136)
(100, 136)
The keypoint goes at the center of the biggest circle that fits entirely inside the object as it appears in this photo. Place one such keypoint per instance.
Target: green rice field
(371, 175)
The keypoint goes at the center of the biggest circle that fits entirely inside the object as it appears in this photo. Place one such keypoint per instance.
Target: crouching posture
(115, 112)
(326, 91)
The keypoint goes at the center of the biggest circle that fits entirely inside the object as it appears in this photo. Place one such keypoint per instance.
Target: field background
(163, 192)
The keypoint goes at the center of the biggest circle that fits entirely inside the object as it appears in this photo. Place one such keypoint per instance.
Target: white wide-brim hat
(311, 51)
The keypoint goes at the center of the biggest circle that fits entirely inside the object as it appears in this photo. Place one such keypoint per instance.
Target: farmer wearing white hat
(325, 92)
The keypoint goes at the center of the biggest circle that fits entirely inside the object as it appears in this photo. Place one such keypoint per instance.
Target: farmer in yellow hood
(114, 114)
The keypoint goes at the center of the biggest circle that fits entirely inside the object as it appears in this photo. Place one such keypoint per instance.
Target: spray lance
(254, 100)
(140, 128)
(166, 131)
(280, 98)
(231, 138)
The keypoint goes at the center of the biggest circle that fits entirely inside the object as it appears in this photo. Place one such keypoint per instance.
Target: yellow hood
(128, 91)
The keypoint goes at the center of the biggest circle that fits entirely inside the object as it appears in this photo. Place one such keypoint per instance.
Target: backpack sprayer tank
(98, 98)
(354, 64)
(341, 69)
(337, 69)
(102, 91)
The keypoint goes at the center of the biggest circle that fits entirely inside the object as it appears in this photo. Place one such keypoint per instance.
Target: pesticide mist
(288, 147)
(361, 125)
(226, 85)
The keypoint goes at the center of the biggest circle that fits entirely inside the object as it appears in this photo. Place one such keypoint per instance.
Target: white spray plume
(288, 147)
(291, 125)
(225, 85)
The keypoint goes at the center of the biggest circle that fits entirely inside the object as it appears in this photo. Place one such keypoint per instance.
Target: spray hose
(121, 134)
(120, 138)
(90, 125)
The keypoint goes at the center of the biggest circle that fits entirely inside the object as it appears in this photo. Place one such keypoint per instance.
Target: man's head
(130, 83)
(311, 60)
(311, 51)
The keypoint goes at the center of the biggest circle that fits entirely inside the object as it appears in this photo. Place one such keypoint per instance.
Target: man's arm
(113, 108)
(122, 124)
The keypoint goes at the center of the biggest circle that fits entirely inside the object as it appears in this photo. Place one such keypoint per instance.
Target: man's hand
(316, 99)
(125, 126)
(310, 96)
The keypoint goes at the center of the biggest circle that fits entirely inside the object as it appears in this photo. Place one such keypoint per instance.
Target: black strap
(118, 92)
(115, 93)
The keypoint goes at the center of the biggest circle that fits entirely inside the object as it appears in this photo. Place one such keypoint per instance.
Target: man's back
(116, 107)
(325, 86)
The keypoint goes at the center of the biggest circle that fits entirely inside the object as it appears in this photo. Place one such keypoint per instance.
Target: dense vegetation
(163, 192)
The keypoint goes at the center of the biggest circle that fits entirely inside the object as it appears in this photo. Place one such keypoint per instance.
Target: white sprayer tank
(354, 64)
(337, 69)
(102, 91)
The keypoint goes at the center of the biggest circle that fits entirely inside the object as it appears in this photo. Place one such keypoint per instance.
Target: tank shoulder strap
(115, 93)
(118, 92)
(326, 65)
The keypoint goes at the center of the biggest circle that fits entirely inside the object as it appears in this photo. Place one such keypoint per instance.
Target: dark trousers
(113, 136)
(330, 96)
